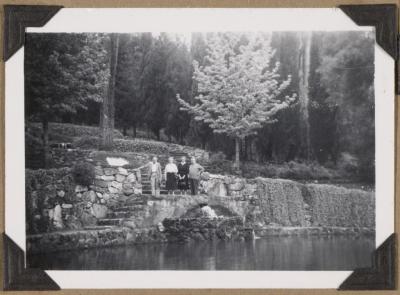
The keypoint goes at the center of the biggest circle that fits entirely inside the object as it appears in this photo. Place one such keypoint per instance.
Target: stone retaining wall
(83, 239)
(313, 231)
(259, 202)
(67, 157)
(206, 229)
(60, 157)
(280, 202)
(81, 205)
(185, 230)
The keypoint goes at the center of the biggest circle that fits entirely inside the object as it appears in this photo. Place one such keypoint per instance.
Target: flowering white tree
(239, 90)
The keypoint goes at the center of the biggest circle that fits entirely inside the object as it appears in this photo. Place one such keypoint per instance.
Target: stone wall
(81, 206)
(278, 202)
(337, 206)
(91, 238)
(68, 157)
(206, 229)
(116, 196)
(42, 189)
(60, 157)
(281, 202)
(260, 202)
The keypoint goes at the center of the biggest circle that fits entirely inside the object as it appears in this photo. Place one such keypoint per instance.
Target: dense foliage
(83, 173)
(238, 89)
(331, 122)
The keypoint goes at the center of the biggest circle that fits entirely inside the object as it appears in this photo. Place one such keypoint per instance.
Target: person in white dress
(171, 171)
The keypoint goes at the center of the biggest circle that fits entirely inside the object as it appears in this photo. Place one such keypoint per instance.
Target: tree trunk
(245, 152)
(249, 150)
(237, 153)
(124, 130)
(108, 101)
(134, 130)
(304, 74)
(203, 142)
(45, 139)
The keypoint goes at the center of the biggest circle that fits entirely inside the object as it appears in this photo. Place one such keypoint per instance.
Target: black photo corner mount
(384, 17)
(381, 275)
(18, 278)
(17, 18)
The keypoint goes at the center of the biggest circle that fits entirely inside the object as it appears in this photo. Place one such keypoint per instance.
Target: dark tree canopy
(331, 121)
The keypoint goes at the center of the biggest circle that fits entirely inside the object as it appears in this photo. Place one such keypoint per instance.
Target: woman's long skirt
(183, 184)
(171, 182)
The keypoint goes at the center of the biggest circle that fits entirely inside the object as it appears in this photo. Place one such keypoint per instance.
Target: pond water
(274, 253)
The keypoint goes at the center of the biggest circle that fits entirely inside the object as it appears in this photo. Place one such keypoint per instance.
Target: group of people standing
(183, 176)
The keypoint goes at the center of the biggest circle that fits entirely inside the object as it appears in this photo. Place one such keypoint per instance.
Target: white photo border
(179, 20)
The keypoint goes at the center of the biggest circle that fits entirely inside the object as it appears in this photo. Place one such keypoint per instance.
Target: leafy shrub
(83, 173)
(348, 163)
(87, 142)
(133, 145)
(64, 132)
(291, 170)
(218, 156)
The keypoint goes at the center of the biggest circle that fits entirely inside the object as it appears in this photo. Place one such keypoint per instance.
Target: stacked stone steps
(163, 160)
(110, 221)
(146, 185)
(125, 210)
(98, 227)
(119, 214)
(127, 207)
(133, 202)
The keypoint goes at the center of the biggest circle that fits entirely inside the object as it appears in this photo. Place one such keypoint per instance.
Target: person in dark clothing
(195, 171)
(183, 172)
(170, 176)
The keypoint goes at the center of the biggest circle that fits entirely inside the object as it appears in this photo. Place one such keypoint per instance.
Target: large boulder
(205, 176)
(100, 183)
(98, 171)
(88, 219)
(116, 184)
(119, 177)
(110, 171)
(99, 211)
(89, 196)
(107, 177)
(122, 171)
(237, 184)
(113, 190)
(127, 188)
(131, 177)
(215, 187)
(81, 188)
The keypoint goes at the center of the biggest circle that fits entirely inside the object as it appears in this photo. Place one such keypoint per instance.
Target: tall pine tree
(62, 73)
(108, 107)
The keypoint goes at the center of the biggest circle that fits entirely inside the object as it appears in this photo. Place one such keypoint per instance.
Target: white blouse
(171, 168)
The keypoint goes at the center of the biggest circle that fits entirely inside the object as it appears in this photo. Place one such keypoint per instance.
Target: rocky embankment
(114, 210)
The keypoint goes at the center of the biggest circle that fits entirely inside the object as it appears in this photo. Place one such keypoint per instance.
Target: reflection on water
(274, 253)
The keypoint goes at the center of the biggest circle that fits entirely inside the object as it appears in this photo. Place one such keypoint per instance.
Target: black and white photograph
(217, 150)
